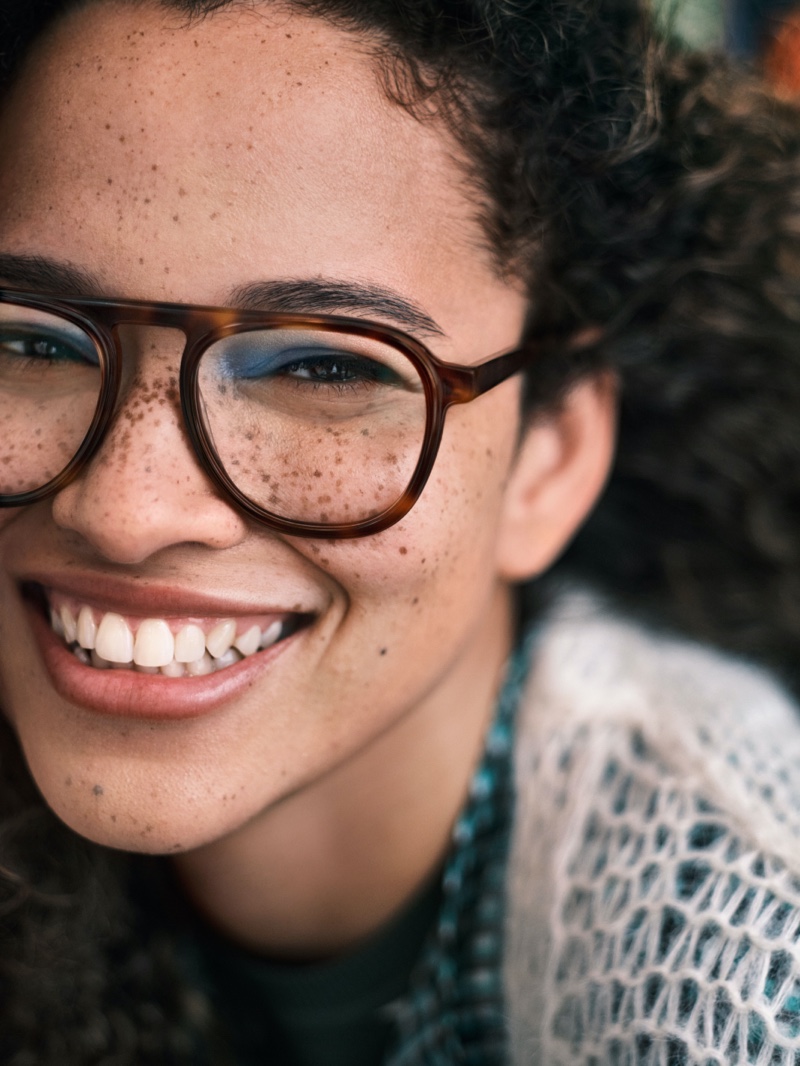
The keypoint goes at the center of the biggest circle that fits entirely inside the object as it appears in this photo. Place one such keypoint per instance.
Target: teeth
(190, 644)
(230, 657)
(87, 628)
(114, 639)
(248, 642)
(98, 663)
(200, 667)
(220, 639)
(271, 634)
(155, 644)
(70, 628)
(155, 649)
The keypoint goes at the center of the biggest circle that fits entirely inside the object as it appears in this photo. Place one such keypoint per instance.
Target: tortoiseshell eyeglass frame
(445, 384)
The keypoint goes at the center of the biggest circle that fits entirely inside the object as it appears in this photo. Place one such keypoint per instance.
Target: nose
(144, 491)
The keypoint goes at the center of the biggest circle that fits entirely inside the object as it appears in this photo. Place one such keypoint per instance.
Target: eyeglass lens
(50, 380)
(311, 425)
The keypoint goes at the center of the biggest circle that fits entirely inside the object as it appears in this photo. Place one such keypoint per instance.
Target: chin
(133, 829)
(137, 805)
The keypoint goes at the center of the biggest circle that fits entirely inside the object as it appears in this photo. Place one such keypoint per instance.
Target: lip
(106, 593)
(129, 694)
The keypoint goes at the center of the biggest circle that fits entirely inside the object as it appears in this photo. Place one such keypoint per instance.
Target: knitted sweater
(654, 874)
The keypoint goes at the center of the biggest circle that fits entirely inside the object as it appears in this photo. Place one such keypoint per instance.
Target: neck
(329, 865)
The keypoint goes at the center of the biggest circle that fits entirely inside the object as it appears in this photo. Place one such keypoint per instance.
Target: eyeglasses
(313, 425)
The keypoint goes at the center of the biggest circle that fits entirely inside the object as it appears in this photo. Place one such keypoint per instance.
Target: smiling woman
(317, 320)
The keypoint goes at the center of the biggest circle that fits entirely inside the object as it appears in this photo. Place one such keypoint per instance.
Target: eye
(44, 347)
(337, 368)
(320, 361)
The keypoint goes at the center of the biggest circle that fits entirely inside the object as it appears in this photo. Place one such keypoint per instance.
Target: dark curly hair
(650, 192)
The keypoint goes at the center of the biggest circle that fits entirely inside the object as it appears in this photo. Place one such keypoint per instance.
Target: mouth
(171, 646)
(111, 650)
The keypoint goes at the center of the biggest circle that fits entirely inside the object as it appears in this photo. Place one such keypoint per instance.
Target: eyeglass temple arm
(465, 383)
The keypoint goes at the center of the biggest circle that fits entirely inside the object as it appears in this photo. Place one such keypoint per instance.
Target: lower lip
(128, 694)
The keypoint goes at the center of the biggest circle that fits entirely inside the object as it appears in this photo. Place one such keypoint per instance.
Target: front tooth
(200, 667)
(87, 628)
(248, 642)
(190, 644)
(68, 622)
(155, 644)
(173, 669)
(220, 638)
(114, 641)
(271, 634)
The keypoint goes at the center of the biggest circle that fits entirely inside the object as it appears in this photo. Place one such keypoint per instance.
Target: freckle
(403, 551)
(68, 782)
(141, 262)
(113, 817)
(415, 601)
(98, 790)
(154, 166)
(181, 192)
(109, 180)
(122, 140)
(174, 218)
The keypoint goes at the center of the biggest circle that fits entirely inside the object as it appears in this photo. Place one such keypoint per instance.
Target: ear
(559, 471)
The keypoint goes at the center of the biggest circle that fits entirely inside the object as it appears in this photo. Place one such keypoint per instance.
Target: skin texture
(180, 163)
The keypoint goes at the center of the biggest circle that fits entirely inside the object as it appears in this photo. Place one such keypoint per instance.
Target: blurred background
(766, 32)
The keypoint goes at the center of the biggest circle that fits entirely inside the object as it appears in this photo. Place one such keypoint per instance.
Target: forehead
(252, 132)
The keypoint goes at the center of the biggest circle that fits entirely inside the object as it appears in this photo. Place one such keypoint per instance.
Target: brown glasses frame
(445, 384)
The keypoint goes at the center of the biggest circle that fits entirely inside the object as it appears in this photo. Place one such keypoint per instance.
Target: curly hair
(633, 187)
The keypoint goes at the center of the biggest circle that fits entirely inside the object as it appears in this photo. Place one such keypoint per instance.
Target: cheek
(440, 559)
(7, 516)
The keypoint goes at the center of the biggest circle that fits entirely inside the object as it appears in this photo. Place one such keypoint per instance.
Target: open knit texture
(654, 878)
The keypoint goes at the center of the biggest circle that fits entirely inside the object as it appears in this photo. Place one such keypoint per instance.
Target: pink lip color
(133, 598)
(127, 694)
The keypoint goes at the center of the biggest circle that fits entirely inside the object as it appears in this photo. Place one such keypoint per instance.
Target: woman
(259, 621)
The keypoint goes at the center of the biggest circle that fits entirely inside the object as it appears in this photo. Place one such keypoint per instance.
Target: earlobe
(559, 471)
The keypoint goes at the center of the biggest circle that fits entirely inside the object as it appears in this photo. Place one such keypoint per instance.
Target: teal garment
(436, 996)
(322, 1014)
(454, 1013)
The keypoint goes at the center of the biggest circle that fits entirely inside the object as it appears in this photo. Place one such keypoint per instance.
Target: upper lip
(107, 593)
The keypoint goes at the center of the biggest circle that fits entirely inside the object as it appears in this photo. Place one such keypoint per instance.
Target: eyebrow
(309, 295)
(46, 275)
(298, 296)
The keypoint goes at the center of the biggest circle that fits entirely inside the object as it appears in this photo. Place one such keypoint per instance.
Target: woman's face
(183, 164)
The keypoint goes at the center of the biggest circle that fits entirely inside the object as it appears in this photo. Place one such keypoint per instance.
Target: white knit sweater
(654, 880)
